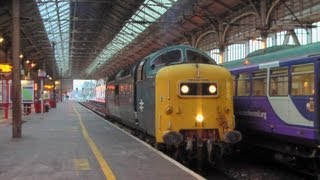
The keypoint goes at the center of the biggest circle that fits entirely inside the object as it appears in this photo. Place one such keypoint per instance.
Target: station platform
(70, 142)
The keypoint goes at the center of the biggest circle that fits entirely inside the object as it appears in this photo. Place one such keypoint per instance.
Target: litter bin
(37, 106)
(52, 103)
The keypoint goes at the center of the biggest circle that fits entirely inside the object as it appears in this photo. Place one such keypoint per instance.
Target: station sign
(42, 74)
(5, 68)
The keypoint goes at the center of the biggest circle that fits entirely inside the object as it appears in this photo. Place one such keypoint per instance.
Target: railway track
(240, 165)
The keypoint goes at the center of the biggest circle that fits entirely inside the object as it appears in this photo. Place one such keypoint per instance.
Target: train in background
(180, 98)
(277, 100)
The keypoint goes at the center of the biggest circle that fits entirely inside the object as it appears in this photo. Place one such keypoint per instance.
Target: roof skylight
(149, 12)
(56, 18)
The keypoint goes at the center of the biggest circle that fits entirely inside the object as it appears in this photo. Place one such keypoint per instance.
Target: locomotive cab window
(259, 83)
(195, 57)
(278, 82)
(166, 59)
(302, 80)
(243, 87)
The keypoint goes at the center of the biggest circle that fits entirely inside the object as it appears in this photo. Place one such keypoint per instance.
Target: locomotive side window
(195, 57)
(166, 58)
(278, 82)
(243, 88)
(302, 80)
(259, 83)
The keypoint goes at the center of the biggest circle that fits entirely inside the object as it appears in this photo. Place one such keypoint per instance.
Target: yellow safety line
(103, 164)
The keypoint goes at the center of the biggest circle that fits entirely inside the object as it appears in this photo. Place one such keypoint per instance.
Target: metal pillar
(16, 80)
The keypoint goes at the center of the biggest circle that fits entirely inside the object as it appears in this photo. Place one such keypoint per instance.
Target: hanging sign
(42, 74)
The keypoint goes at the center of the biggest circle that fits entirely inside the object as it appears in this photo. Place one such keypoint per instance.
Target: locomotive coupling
(232, 136)
(172, 138)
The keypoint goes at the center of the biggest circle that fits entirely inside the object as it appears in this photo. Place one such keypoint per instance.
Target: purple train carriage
(276, 99)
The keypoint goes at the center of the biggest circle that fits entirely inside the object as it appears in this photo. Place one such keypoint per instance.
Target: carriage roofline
(278, 63)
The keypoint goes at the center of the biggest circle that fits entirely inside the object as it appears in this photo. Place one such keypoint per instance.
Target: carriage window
(278, 82)
(243, 88)
(195, 57)
(166, 58)
(302, 80)
(259, 83)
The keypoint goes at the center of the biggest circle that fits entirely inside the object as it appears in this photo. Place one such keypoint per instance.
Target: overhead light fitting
(1, 39)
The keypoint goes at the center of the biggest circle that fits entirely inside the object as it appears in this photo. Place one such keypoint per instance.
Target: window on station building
(243, 88)
(280, 37)
(302, 80)
(269, 42)
(259, 83)
(302, 36)
(278, 82)
(235, 52)
(215, 54)
(316, 32)
(255, 44)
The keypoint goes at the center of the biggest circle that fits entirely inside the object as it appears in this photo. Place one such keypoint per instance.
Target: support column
(16, 80)
(221, 53)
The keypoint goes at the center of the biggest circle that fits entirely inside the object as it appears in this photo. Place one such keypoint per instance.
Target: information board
(27, 91)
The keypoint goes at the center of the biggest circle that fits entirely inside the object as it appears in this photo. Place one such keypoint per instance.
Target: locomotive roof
(183, 47)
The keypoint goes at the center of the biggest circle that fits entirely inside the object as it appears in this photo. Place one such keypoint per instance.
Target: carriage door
(303, 94)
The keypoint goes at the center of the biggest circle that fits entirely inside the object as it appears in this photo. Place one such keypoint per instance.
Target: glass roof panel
(56, 16)
(148, 13)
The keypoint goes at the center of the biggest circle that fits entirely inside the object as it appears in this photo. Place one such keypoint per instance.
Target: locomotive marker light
(184, 89)
(212, 89)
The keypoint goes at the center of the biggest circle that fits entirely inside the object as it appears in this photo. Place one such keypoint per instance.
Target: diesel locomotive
(277, 103)
(181, 98)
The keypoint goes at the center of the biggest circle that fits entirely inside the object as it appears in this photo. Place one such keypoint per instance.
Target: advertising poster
(27, 91)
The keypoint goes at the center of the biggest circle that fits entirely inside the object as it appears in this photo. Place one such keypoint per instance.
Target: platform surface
(71, 142)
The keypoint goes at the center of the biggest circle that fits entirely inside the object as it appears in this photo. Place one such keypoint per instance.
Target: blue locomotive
(180, 98)
(276, 101)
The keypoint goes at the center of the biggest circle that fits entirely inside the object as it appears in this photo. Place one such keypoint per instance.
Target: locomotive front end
(194, 107)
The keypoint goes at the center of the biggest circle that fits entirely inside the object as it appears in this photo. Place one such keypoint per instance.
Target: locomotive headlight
(199, 118)
(184, 89)
(212, 89)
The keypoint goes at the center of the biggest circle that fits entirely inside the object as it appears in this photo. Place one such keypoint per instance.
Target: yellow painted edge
(103, 164)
